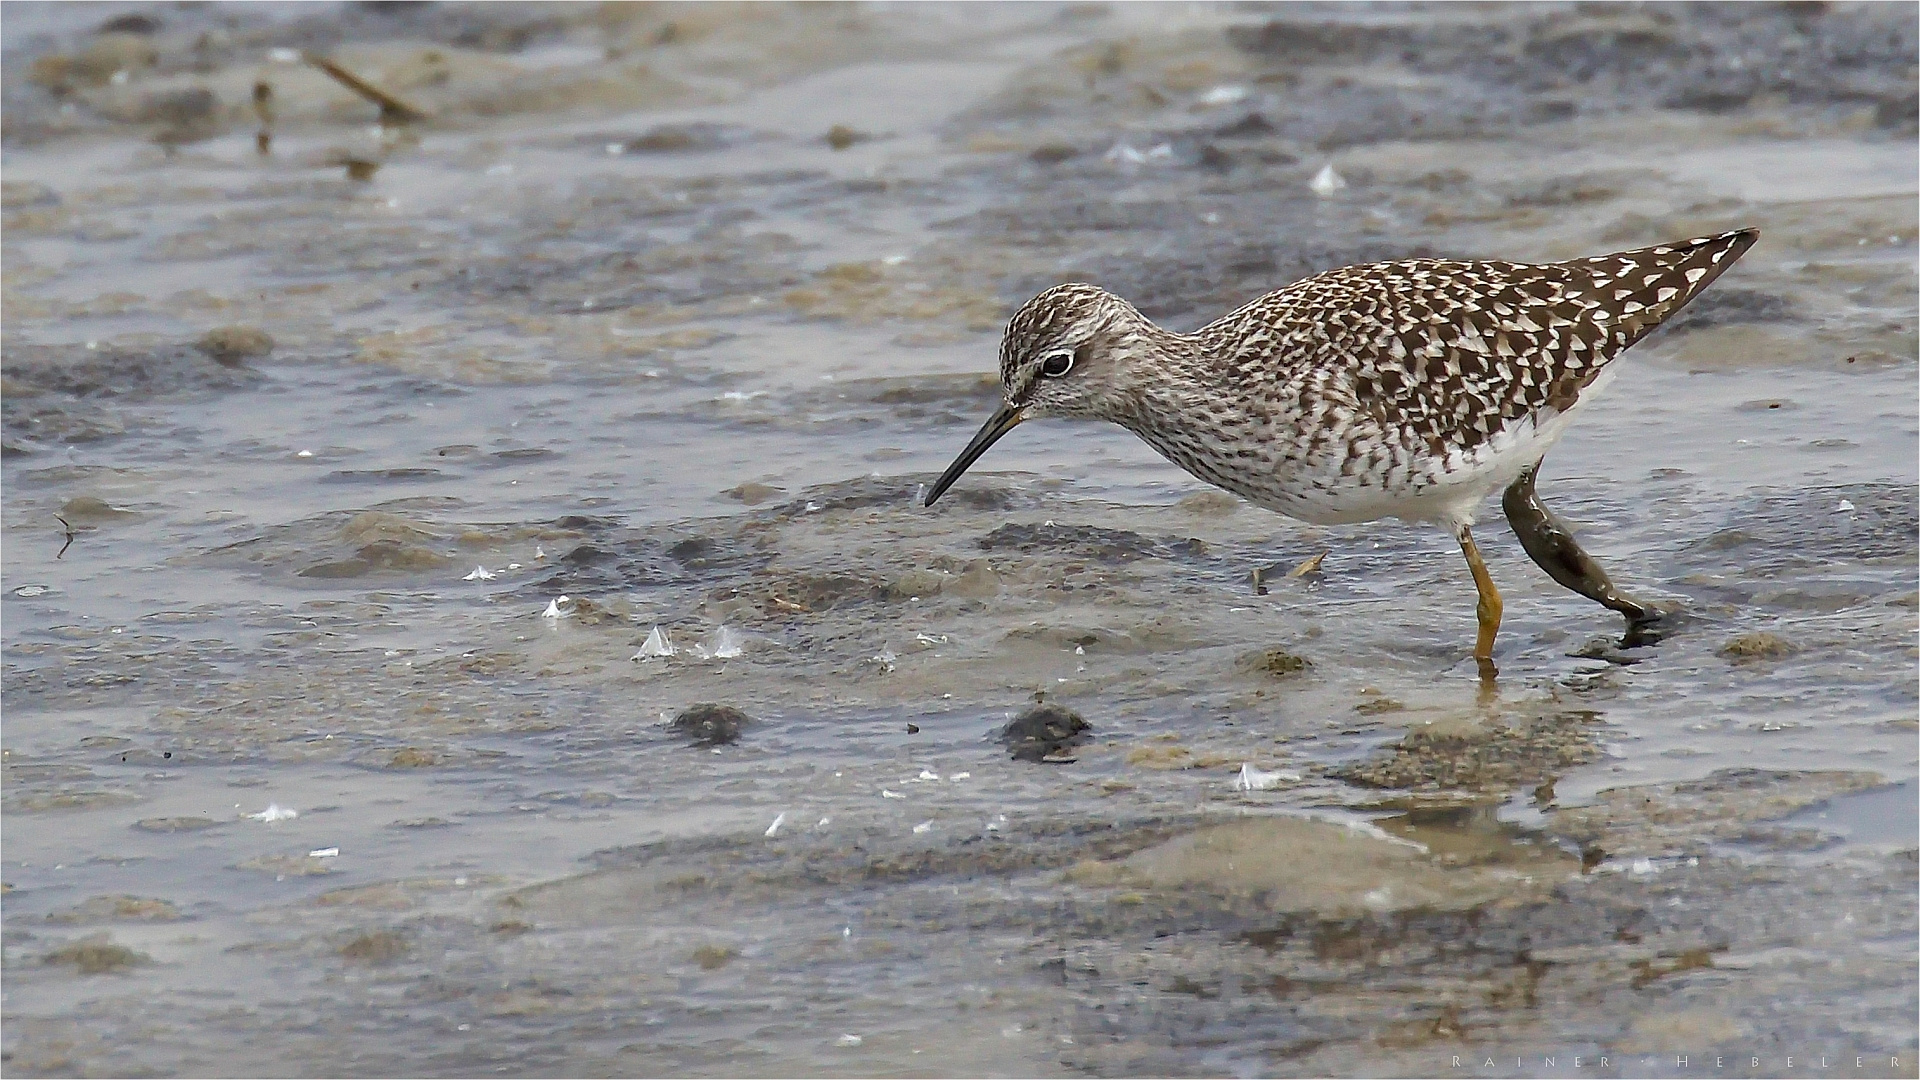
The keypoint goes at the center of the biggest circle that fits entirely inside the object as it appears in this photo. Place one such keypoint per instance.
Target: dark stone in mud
(132, 23)
(586, 555)
(1278, 663)
(840, 136)
(1045, 733)
(695, 554)
(1212, 157)
(708, 724)
(1089, 542)
(583, 521)
(234, 345)
(1249, 126)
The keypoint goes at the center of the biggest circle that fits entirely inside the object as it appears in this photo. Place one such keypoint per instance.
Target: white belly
(1449, 491)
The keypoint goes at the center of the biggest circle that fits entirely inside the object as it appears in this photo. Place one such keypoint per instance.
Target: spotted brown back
(1444, 354)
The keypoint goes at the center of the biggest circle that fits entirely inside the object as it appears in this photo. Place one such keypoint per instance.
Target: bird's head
(1067, 352)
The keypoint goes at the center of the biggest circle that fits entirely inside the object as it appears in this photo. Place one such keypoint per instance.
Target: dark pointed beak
(1003, 420)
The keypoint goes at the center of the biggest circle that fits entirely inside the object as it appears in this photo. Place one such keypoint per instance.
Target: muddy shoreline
(408, 504)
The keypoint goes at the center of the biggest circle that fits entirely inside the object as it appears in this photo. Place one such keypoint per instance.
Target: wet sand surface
(344, 736)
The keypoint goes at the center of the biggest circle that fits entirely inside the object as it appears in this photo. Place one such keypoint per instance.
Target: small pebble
(1759, 645)
(840, 136)
(233, 345)
(711, 725)
(1044, 733)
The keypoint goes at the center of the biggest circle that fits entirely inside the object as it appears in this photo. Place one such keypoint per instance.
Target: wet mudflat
(499, 632)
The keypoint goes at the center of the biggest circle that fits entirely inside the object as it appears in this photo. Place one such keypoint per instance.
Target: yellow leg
(1488, 608)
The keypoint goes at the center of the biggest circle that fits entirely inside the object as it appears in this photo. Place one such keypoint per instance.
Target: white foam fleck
(657, 644)
(1252, 779)
(1326, 181)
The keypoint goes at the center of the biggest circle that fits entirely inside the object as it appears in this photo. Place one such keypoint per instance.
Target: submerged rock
(96, 955)
(1759, 645)
(375, 947)
(708, 724)
(1045, 733)
(231, 345)
(1276, 662)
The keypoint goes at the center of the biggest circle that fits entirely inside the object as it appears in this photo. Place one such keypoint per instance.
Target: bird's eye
(1057, 365)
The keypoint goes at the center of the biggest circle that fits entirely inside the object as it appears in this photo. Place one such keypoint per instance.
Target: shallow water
(620, 324)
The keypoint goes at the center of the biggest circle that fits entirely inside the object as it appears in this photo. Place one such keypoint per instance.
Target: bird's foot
(1652, 623)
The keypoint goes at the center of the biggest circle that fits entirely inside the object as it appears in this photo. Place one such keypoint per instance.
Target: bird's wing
(1449, 353)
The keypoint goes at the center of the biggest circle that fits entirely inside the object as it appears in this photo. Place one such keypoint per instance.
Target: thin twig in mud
(69, 543)
(1311, 566)
(392, 109)
(263, 108)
